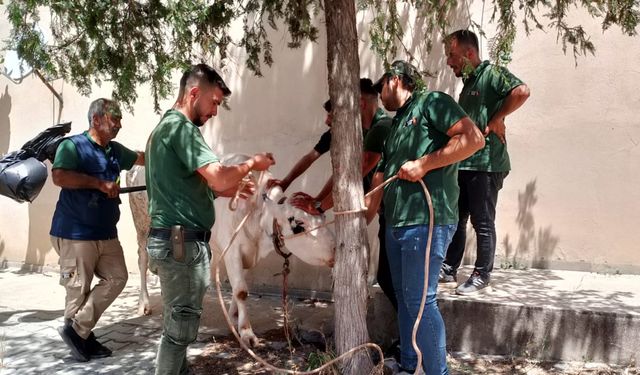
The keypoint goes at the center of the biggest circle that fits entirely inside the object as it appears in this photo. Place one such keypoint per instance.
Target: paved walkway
(31, 308)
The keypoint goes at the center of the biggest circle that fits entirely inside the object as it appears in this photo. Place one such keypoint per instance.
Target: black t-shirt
(324, 144)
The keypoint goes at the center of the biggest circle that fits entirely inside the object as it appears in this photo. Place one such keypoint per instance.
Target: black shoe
(95, 349)
(74, 342)
(476, 283)
(447, 279)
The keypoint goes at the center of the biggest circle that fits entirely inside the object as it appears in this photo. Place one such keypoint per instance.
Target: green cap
(397, 68)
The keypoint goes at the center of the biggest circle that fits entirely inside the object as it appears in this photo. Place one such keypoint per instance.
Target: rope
(244, 346)
(360, 347)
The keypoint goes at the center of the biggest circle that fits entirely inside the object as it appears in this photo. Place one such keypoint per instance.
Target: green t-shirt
(178, 194)
(374, 140)
(67, 155)
(481, 97)
(377, 133)
(420, 127)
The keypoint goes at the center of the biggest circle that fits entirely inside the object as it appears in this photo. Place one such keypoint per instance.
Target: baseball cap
(397, 68)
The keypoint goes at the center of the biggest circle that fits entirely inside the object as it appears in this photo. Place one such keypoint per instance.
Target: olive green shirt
(420, 127)
(482, 96)
(377, 133)
(374, 140)
(67, 155)
(178, 194)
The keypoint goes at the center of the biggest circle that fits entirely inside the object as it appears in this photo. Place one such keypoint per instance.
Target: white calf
(304, 235)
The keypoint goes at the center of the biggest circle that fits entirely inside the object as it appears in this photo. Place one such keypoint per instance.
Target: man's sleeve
(127, 157)
(442, 111)
(324, 144)
(503, 81)
(66, 156)
(374, 141)
(189, 145)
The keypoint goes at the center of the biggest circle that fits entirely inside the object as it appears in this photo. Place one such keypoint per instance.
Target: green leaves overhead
(130, 43)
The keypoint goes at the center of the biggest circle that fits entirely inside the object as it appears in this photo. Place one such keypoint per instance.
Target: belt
(189, 235)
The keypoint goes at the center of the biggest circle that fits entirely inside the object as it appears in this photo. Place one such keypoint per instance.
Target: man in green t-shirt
(182, 174)
(429, 134)
(375, 127)
(490, 93)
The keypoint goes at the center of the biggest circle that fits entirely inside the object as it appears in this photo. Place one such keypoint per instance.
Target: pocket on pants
(183, 325)
(158, 249)
(69, 273)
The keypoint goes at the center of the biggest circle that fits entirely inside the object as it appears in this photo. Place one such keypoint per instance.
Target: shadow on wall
(433, 63)
(5, 123)
(534, 246)
(40, 214)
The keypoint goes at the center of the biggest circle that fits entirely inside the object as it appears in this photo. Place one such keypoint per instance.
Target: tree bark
(350, 283)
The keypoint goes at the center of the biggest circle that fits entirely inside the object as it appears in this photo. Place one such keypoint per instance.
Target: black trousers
(384, 272)
(478, 198)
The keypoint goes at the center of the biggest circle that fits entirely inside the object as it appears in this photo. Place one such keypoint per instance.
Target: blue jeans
(406, 251)
(182, 285)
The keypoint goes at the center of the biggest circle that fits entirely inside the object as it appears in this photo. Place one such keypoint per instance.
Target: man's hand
(411, 171)
(305, 202)
(262, 161)
(496, 126)
(275, 182)
(246, 188)
(111, 188)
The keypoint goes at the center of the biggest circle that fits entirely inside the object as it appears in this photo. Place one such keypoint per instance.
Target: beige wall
(570, 201)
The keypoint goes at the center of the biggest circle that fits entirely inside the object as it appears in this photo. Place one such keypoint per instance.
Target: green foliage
(135, 42)
(319, 358)
(387, 30)
(130, 43)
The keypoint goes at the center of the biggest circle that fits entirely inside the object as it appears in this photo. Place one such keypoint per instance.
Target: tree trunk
(350, 283)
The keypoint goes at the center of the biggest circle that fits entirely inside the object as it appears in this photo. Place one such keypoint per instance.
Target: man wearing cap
(489, 94)
(182, 174)
(375, 127)
(87, 167)
(430, 133)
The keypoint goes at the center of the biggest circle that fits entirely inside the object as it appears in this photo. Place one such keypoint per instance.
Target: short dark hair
(202, 73)
(366, 87)
(464, 37)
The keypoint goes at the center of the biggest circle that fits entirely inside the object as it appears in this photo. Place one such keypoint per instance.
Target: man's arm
(299, 168)
(465, 139)
(223, 177)
(69, 179)
(369, 161)
(511, 103)
(140, 158)
(372, 202)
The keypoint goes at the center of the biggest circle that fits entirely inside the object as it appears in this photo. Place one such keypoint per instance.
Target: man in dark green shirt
(490, 93)
(182, 174)
(429, 134)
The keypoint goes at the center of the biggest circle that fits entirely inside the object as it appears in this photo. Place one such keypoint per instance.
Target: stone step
(538, 314)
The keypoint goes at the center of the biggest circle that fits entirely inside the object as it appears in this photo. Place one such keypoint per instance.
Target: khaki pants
(79, 261)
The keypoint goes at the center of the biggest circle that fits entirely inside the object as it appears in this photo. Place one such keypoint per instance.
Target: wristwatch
(317, 205)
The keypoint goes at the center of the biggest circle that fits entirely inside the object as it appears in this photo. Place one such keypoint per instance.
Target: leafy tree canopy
(132, 42)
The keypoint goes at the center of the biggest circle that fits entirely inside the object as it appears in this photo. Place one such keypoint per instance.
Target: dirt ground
(226, 357)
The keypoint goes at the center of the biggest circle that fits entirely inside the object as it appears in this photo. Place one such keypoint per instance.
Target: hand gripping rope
(378, 367)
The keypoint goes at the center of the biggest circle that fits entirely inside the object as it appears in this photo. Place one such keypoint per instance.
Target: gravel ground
(226, 357)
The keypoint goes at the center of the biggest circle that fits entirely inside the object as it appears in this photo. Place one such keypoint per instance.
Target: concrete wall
(570, 201)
